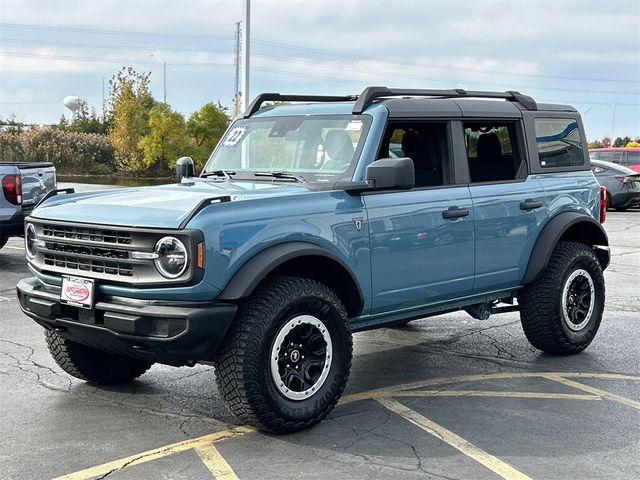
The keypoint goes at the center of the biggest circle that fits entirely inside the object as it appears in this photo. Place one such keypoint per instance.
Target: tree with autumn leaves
(149, 136)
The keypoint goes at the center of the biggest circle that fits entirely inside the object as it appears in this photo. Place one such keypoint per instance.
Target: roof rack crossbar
(369, 94)
(276, 97)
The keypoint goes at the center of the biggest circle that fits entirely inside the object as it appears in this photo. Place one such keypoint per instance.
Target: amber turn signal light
(200, 255)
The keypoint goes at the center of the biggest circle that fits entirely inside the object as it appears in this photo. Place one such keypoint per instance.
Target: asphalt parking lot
(446, 397)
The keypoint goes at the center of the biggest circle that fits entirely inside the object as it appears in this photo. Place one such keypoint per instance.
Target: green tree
(618, 142)
(130, 103)
(166, 140)
(205, 127)
(595, 144)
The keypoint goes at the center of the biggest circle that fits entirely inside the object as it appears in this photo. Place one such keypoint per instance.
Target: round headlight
(172, 258)
(30, 240)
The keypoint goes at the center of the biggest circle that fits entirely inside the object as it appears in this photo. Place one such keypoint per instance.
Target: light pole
(164, 78)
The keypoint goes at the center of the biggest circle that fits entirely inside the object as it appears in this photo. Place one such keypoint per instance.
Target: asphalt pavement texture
(445, 397)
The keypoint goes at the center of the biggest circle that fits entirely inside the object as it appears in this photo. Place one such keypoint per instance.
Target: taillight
(12, 188)
(603, 204)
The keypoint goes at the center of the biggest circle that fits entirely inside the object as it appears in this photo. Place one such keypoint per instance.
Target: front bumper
(173, 333)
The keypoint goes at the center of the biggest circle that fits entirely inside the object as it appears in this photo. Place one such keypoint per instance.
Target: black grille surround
(105, 252)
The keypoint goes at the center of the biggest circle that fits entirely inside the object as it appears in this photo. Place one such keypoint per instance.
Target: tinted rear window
(559, 142)
(634, 157)
(615, 157)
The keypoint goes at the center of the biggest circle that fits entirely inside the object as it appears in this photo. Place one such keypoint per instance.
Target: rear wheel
(562, 309)
(285, 360)
(91, 364)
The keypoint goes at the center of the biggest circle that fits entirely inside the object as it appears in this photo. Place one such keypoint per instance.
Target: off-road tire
(541, 301)
(93, 365)
(242, 363)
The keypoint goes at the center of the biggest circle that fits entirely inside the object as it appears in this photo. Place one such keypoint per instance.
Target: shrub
(70, 152)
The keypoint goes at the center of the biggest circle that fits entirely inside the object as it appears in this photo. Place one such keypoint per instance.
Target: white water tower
(73, 103)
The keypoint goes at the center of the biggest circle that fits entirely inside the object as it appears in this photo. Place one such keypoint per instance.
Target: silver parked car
(623, 184)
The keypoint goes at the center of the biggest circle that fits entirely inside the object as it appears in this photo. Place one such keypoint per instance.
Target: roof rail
(369, 94)
(276, 97)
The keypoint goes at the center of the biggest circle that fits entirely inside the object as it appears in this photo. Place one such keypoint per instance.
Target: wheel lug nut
(287, 365)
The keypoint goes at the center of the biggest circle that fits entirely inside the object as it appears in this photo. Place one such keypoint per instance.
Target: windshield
(311, 148)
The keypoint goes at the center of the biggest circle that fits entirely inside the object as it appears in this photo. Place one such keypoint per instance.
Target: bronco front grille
(109, 253)
(89, 234)
(89, 265)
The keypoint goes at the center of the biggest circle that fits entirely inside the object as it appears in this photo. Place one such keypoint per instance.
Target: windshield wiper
(219, 173)
(283, 175)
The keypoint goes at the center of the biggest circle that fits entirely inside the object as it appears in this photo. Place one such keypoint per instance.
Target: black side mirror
(391, 173)
(184, 168)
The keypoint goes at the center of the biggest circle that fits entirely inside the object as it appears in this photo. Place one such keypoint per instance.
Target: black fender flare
(587, 230)
(254, 270)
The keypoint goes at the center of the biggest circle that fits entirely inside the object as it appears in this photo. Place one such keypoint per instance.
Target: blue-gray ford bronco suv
(316, 217)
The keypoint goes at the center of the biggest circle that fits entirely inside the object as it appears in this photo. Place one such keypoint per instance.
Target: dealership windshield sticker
(234, 136)
(354, 126)
(77, 291)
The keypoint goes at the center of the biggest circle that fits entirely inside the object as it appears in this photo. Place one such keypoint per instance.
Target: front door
(418, 257)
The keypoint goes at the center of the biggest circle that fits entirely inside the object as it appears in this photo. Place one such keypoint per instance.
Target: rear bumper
(173, 333)
(14, 225)
(626, 199)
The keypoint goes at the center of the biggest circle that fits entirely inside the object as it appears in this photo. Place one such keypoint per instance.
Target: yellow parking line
(215, 462)
(392, 391)
(596, 391)
(492, 393)
(195, 443)
(467, 448)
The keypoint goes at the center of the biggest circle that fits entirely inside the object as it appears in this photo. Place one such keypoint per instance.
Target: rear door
(508, 203)
(37, 180)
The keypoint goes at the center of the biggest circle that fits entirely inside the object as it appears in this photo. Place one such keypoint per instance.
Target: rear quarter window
(559, 142)
(633, 157)
(615, 157)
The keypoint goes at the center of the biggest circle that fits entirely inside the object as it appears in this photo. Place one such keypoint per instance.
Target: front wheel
(91, 364)
(285, 360)
(562, 309)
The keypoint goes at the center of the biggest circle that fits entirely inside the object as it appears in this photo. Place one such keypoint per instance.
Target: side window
(615, 157)
(492, 151)
(633, 157)
(425, 144)
(559, 143)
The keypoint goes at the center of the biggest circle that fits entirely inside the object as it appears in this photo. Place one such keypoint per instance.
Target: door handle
(530, 205)
(454, 213)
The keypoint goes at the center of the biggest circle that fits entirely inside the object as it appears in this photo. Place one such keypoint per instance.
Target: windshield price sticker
(77, 291)
(234, 136)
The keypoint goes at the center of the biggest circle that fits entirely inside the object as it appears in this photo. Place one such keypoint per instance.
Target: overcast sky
(585, 53)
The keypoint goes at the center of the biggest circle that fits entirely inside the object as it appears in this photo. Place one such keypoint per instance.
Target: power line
(115, 32)
(435, 66)
(108, 60)
(110, 46)
(320, 51)
(418, 76)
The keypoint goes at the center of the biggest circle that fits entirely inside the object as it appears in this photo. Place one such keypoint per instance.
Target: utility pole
(245, 55)
(103, 104)
(236, 64)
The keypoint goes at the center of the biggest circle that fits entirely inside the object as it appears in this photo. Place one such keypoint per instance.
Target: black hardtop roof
(415, 99)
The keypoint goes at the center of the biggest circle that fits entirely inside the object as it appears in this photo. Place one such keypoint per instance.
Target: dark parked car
(623, 184)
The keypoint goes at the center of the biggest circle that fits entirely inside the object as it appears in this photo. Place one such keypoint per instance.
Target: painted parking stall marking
(388, 398)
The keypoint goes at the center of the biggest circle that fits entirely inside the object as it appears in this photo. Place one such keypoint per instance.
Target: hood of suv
(164, 206)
